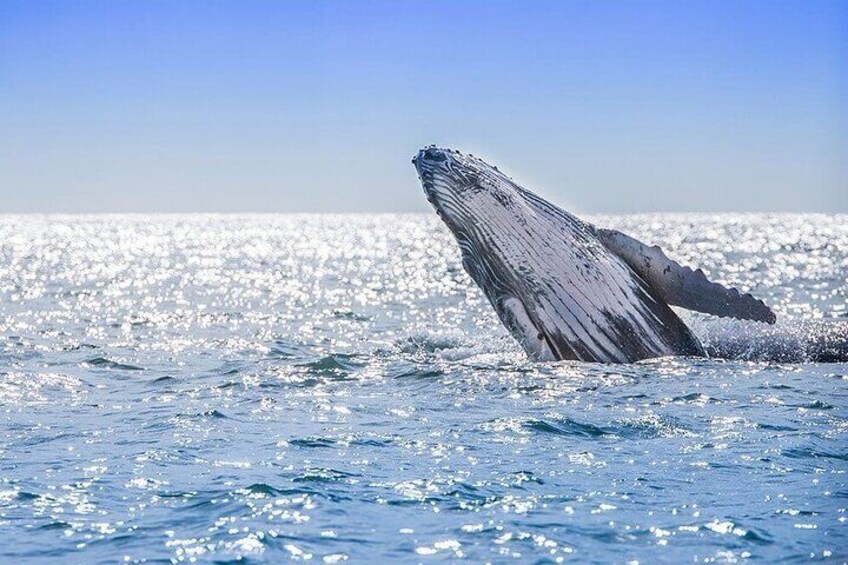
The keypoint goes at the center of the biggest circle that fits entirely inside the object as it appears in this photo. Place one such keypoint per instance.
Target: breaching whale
(564, 288)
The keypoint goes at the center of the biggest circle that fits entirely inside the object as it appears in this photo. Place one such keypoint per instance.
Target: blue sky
(318, 106)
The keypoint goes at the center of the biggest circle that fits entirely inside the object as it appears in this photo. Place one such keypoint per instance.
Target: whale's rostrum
(562, 287)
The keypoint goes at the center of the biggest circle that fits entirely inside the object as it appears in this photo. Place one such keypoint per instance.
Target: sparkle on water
(334, 388)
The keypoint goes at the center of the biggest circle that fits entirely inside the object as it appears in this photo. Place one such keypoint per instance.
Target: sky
(602, 107)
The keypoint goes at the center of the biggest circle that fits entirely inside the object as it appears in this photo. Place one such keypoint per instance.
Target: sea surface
(331, 388)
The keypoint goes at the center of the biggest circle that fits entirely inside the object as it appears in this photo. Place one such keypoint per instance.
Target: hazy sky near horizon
(319, 106)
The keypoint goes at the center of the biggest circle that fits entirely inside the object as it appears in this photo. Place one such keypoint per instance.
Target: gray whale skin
(564, 288)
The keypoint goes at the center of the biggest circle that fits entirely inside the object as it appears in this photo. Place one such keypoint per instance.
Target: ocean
(334, 388)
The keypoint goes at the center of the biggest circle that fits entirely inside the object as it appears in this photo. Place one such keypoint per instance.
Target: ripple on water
(567, 427)
(337, 365)
(104, 363)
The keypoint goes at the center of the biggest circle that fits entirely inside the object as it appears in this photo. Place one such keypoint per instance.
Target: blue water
(334, 388)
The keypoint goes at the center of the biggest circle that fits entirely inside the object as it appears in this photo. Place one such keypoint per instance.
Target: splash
(788, 341)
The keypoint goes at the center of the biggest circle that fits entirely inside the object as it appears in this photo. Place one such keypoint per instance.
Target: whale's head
(466, 191)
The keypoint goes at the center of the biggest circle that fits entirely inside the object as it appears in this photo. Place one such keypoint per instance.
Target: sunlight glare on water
(334, 388)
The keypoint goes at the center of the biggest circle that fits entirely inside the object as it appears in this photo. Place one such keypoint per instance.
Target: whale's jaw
(555, 287)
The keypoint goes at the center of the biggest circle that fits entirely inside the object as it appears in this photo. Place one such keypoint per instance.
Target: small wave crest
(431, 342)
(456, 346)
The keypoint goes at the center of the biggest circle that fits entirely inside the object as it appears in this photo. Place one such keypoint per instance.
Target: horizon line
(415, 213)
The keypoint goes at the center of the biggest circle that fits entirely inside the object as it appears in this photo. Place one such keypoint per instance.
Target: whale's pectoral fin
(681, 286)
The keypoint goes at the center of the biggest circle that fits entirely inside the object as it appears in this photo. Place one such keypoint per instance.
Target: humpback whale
(564, 288)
